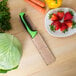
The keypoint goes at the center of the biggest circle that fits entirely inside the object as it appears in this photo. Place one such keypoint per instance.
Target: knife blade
(37, 39)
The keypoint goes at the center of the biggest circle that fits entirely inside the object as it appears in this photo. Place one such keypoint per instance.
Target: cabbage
(10, 52)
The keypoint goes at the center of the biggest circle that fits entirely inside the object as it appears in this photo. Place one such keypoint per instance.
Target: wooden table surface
(31, 63)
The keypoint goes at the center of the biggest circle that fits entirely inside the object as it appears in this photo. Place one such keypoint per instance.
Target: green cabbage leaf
(10, 52)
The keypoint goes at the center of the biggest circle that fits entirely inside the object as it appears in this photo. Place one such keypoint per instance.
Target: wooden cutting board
(32, 63)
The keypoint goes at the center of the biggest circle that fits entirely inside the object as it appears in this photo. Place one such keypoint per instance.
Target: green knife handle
(27, 26)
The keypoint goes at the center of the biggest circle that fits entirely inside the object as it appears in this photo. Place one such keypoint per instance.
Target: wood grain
(31, 63)
(43, 49)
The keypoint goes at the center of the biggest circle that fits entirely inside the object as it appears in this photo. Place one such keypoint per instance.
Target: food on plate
(62, 21)
(63, 27)
(68, 15)
(60, 14)
(53, 17)
(74, 24)
(69, 23)
(10, 52)
(55, 26)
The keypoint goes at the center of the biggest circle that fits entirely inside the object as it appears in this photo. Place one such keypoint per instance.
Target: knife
(38, 41)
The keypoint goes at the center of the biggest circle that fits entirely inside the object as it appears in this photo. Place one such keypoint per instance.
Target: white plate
(59, 33)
